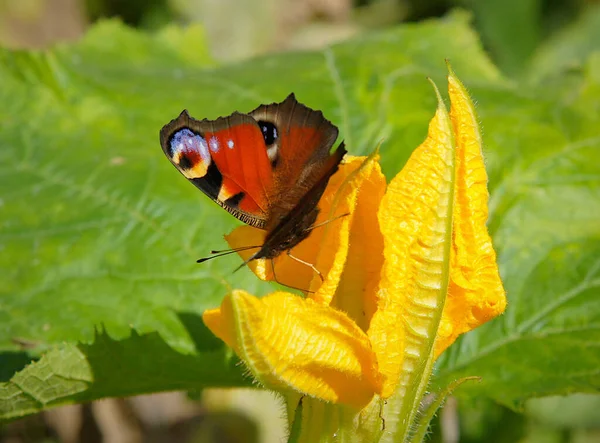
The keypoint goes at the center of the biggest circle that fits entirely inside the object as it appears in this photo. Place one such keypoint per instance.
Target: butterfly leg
(281, 283)
(310, 265)
(328, 221)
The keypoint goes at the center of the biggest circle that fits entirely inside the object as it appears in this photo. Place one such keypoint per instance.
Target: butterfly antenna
(243, 248)
(225, 252)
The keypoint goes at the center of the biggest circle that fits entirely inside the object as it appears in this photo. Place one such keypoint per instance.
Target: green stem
(428, 414)
(296, 426)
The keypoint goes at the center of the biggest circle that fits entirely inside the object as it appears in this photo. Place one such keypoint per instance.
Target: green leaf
(510, 29)
(569, 48)
(138, 364)
(99, 232)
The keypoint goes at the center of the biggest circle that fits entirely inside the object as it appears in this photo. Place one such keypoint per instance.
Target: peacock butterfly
(268, 168)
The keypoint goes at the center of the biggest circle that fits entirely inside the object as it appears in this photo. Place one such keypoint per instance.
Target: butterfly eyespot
(269, 132)
(189, 151)
(185, 162)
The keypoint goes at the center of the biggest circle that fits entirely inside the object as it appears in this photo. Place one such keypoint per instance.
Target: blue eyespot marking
(187, 148)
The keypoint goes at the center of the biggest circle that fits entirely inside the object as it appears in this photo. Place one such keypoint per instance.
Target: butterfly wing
(226, 159)
(298, 141)
(268, 168)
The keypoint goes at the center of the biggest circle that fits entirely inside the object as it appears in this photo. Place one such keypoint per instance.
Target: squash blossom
(407, 271)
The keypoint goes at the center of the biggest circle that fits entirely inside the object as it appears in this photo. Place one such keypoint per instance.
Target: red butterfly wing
(299, 141)
(299, 152)
(268, 168)
(225, 158)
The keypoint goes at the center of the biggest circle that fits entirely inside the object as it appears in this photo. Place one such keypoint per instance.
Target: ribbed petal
(293, 344)
(415, 219)
(475, 293)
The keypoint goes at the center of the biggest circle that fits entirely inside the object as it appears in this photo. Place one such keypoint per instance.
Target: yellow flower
(408, 270)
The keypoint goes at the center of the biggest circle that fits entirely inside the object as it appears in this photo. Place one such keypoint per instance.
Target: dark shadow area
(203, 339)
(145, 363)
(12, 362)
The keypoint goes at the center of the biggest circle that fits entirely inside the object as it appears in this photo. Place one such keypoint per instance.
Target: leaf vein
(557, 303)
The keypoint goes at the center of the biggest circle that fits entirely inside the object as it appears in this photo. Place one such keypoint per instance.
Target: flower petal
(475, 293)
(356, 291)
(415, 219)
(290, 343)
(340, 198)
(320, 249)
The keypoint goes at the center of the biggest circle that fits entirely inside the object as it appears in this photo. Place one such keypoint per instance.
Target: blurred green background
(514, 33)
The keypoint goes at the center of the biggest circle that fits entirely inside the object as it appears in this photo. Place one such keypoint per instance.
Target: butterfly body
(268, 168)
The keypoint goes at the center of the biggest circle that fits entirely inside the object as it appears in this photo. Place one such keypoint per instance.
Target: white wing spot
(230, 144)
(214, 144)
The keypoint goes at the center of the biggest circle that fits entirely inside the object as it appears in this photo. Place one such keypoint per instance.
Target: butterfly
(268, 168)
